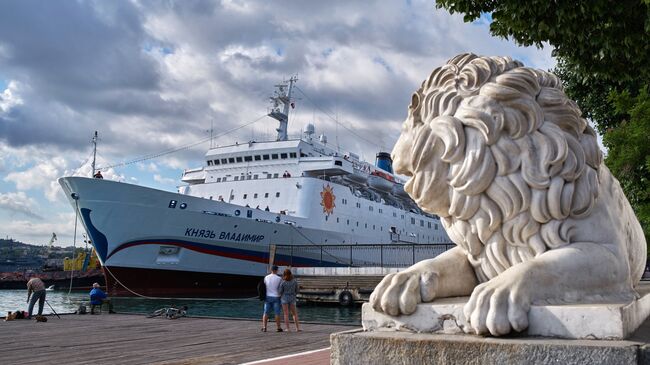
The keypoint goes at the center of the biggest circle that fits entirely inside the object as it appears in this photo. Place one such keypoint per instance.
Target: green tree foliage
(629, 151)
(603, 53)
(596, 38)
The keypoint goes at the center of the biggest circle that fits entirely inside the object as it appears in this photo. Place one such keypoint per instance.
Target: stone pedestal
(381, 347)
(558, 334)
(612, 321)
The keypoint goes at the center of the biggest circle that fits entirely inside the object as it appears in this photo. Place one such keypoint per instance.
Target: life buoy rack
(345, 298)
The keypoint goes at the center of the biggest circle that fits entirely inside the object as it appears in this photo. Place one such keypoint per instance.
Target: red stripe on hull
(178, 284)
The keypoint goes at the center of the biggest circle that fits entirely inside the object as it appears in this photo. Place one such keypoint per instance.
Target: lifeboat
(381, 181)
(398, 191)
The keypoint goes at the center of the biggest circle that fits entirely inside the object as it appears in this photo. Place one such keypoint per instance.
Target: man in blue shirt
(97, 298)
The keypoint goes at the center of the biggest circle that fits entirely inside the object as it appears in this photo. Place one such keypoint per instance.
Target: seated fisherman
(97, 298)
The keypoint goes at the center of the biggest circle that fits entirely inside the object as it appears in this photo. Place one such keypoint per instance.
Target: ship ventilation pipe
(384, 162)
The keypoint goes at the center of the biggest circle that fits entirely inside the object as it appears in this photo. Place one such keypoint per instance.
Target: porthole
(183, 206)
(237, 212)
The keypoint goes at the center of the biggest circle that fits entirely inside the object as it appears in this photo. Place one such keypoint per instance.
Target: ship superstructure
(215, 236)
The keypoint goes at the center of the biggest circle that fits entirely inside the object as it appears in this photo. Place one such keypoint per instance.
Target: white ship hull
(149, 248)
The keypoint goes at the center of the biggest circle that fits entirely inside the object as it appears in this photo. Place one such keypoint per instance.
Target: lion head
(500, 153)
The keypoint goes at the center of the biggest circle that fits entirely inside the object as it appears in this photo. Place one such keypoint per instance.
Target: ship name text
(230, 236)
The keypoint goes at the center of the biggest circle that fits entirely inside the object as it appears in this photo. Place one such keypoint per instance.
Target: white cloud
(19, 203)
(164, 180)
(10, 97)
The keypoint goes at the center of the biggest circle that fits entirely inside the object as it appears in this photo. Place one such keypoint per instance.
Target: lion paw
(498, 306)
(400, 293)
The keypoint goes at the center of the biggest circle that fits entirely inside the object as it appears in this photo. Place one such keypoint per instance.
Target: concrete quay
(135, 339)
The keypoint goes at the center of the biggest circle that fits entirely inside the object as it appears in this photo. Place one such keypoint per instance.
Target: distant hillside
(18, 256)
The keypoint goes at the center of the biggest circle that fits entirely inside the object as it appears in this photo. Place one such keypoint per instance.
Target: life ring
(346, 299)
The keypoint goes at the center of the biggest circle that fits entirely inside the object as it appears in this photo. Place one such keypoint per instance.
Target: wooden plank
(134, 339)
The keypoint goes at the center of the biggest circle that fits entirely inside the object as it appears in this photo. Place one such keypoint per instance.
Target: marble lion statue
(514, 171)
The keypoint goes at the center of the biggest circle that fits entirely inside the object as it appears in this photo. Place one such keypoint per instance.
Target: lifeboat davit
(357, 177)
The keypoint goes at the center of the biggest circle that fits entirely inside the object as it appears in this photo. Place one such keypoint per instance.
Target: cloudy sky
(152, 76)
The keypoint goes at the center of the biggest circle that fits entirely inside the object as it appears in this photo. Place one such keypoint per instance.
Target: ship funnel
(384, 162)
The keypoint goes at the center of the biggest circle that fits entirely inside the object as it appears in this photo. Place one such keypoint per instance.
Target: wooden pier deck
(134, 339)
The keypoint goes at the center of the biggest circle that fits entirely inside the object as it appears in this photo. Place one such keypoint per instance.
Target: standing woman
(288, 292)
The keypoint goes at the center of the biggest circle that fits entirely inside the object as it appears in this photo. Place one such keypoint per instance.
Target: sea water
(62, 302)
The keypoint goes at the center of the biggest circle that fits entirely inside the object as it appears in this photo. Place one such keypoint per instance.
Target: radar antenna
(282, 98)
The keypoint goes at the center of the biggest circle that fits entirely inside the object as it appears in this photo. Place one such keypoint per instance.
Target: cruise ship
(218, 234)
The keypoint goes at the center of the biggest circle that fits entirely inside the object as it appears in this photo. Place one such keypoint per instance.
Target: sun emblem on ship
(327, 199)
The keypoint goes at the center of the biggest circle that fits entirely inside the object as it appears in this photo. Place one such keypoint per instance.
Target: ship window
(172, 204)
(236, 178)
(216, 162)
(283, 155)
(380, 210)
(249, 214)
(249, 177)
(338, 163)
(394, 215)
(265, 157)
(248, 158)
(436, 225)
(412, 220)
(275, 176)
(218, 179)
(224, 179)
(255, 177)
(373, 227)
(268, 176)
(337, 219)
(402, 216)
(421, 223)
(231, 160)
(302, 154)
(357, 223)
(381, 228)
(326, 217)
(348, 221)
(239, 159)
(277, 195)
(292, 155)
(209, 162)
(224, 161)
(258, 157)
(232, 197)
(274, 156)
(255, 196)
(266, 195)
(366, 225)
(358, 205)
(428, 224)
(245, 195)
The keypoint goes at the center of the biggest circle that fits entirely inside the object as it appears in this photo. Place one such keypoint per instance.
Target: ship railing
(397, 255)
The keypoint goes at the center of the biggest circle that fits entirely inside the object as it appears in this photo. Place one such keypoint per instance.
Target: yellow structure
(77, 263)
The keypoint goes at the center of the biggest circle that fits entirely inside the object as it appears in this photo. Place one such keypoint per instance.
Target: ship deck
(135, 339)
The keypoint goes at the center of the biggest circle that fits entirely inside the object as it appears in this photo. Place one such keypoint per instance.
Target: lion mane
(512, 159)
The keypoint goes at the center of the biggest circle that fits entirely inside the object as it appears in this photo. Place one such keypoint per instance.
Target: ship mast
(94, 153)
(282, 97)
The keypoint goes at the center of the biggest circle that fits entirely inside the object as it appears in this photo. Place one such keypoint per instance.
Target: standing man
(272, 282)
(36, 286)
